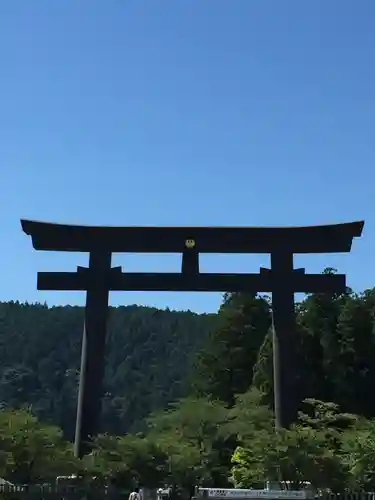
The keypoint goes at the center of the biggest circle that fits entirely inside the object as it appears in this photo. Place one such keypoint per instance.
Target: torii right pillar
(285, 355)
(286, 281)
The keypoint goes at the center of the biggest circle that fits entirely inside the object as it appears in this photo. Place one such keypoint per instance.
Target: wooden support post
(284, 340)
(93, 351)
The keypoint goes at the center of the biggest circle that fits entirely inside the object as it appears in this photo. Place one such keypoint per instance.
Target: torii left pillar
(90, 393)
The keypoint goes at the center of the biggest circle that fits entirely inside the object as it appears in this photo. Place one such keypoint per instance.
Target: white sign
(266, 494)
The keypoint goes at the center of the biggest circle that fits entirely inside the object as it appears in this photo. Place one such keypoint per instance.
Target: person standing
(134, 495)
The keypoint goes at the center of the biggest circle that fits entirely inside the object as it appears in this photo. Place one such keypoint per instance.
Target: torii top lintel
(309, 239)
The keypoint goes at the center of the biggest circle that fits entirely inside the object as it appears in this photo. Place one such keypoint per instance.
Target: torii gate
(282, 280)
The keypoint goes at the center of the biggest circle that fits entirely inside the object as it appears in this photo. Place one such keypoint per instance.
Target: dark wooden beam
(203, 282)
(310, 239)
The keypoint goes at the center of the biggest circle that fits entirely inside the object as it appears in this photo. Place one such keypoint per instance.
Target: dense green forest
(148, 359)
(189, 397)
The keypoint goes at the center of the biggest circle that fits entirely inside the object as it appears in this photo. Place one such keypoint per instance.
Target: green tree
(354, 371)
(358, 454)
(190, 432)
(318, 317)
(127, 461)
(35, 452)
(249, 416)
(224, 367)
(263, 370)
(297, 455)
(308, 451)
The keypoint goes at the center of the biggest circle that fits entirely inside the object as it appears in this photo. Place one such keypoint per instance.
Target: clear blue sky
(184, 112)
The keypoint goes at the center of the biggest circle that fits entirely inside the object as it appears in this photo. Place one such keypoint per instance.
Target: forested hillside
(154, 357)
(148, 361)
(217, 370)
(335, 353)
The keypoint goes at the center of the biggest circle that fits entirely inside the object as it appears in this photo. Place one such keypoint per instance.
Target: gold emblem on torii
(190, 243)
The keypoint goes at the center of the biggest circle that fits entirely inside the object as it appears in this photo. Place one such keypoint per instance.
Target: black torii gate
(282, 280)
